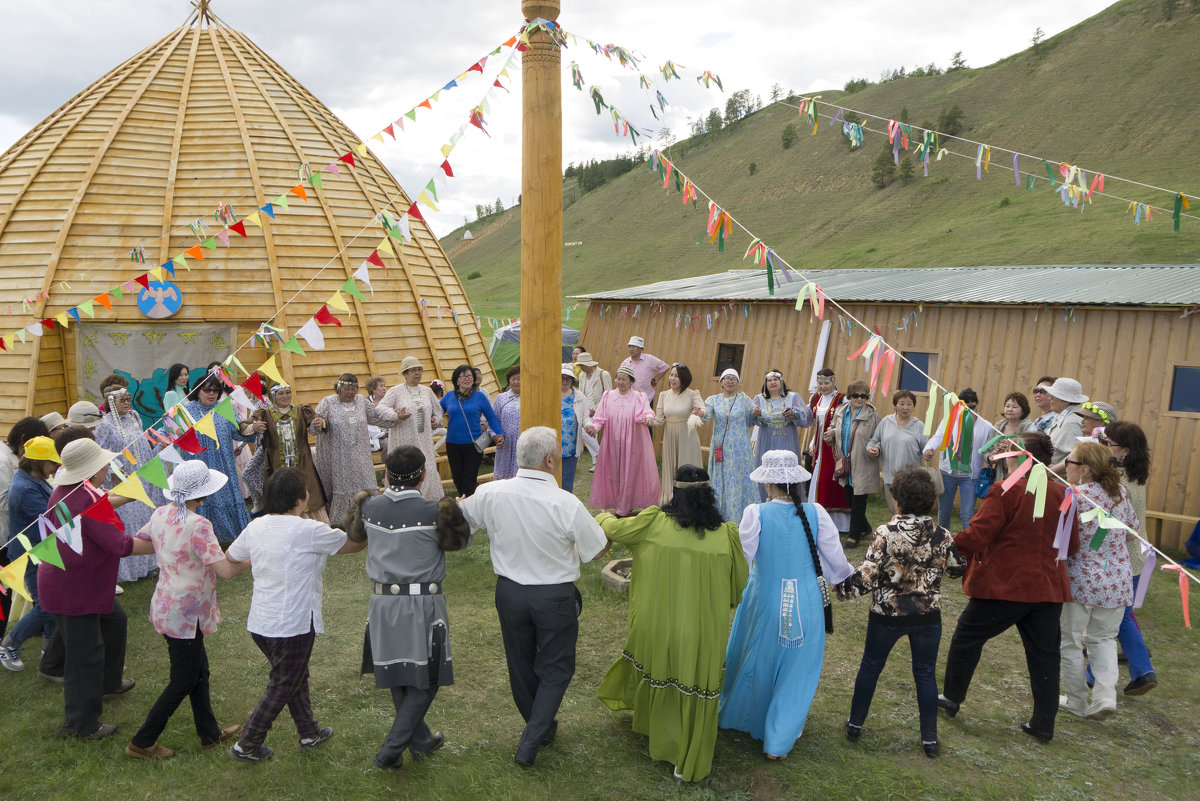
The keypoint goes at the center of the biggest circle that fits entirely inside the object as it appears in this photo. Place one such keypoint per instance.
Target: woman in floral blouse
(1101, 583)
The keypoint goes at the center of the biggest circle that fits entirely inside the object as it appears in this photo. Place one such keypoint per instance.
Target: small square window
(911, 369)
(728, 356)
(1185, 390)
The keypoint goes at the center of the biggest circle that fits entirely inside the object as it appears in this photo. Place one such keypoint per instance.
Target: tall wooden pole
(541, 224)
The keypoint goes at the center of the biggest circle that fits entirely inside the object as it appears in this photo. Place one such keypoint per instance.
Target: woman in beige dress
(419, 414)
(681, 410)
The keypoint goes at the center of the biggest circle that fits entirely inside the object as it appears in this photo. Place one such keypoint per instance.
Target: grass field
(1147, 751)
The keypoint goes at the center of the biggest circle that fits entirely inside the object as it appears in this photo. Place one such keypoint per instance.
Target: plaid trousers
(287, 686)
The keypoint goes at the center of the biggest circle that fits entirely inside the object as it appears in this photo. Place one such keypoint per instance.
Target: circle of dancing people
(759, 525)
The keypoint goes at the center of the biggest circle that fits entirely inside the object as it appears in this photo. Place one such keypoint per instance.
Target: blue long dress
(226, 510)
(777, 643)
(776, 432)
(731, 422)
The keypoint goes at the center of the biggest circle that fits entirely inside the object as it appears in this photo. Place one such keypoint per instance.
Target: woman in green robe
(688, 572)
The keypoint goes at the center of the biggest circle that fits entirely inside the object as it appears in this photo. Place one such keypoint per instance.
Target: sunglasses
(1072, 461)
(1040, 391)
(859, 396)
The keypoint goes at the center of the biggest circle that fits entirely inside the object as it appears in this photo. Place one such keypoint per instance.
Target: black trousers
(539, 624)
(409, 728)
(94, 658)
(859, 525)
(189, 679)
(464, 463)
(55, 655)
(1038, 625)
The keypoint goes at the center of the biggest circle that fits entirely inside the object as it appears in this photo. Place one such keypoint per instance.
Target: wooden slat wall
(1124, 356)
(131, 132)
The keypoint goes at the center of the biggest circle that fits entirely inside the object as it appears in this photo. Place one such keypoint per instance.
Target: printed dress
(731, 421)
(626, 474)
(681, 443)
(120, 433)
(185, 598)
(779, 433)
(425, 416)
(344, 449)
(507, 407)
(225, 509)
(671, 668)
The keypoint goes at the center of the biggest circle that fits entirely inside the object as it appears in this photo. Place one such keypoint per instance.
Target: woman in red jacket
(1014, 578)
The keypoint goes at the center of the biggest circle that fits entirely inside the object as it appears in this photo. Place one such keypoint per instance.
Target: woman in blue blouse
(461, 410)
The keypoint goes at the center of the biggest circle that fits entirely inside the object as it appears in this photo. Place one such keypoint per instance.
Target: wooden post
(541, 224)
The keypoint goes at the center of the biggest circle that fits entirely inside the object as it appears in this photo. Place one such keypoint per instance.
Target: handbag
(984, 483)
(841, 468)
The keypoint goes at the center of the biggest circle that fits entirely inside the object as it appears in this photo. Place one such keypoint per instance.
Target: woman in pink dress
(626, 473)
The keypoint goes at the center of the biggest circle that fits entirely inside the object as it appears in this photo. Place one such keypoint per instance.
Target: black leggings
(464, 467)
(859, 525)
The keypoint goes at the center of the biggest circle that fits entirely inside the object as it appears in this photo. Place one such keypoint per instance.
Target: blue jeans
(33, 622)
(569, 464)
(965, 486)
(923, 641)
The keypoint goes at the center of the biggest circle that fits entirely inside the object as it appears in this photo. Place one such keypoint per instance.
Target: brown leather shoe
(104, 730)
(155, 751)
(227, 734)
(126, 686)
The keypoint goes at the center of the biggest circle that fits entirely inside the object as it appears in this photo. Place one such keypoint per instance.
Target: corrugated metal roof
(1076, 284)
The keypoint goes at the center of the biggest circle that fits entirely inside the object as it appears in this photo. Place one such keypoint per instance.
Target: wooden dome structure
(203, 117)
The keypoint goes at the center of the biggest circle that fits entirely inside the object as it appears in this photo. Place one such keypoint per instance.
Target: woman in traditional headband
(285, 444)
(688, 571)
(681, 412)
(779, 414)
(731, 457)
(626, 472)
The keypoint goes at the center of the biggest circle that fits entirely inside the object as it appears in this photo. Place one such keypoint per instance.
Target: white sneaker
(11, 658)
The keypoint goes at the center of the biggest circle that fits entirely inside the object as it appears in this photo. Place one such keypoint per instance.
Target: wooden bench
(1154, 524)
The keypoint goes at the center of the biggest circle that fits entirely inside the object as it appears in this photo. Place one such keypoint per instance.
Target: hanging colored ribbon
(1066, 519)
(1183, 592)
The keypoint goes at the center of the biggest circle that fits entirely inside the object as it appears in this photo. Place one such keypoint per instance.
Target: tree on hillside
(713, 122)
(697, 126)
(499, 207)
(480, 211)
(738, 106)
(855, 85)
(883, 171)
(907, 171)
(903, 114)
(950, 122)
(776, 92)
(788, 136)
(957, 62)
(1038, 36)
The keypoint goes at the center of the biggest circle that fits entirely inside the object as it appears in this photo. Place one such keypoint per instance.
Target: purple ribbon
(1144, 577)
(1016, 171)
(837, 116)
(1062, 537)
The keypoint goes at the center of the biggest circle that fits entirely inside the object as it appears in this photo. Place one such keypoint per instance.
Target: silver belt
(432, 588)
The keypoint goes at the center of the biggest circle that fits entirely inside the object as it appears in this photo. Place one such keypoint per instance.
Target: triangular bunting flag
(195, 252)
(62, 319)
(155, 472)
(13, 576)
(211, 243)
(390, 131)
(316, 180)
(281, 201)
(144, 280)
(374, 258)
(254, 219)
(348, 158)
(425, 103)
(169, 454)
(298, 191)
(293, 346)
(224, 236)
(254, 385)
(102, 511)
(47, 551)
(446, 150)
(311, 332)
(363, 273)
(86, 306)
(446, 169)
(208, 427)
(132, 488)
(238, 227)
(73, 312)
(361, 149)
(324, 317)
(386, 246)
(103, 300)
(225, 409)
(269, 209)
(188, 442)
(269, 369)
(181, 261)
(413, 211)
(158, 274)
(337, 301)
(351, 288)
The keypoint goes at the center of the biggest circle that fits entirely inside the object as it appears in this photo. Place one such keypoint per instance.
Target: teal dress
(777, 643)
(732, 420)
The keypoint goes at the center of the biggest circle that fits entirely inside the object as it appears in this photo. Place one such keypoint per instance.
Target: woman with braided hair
(407, 646)
(777, 643)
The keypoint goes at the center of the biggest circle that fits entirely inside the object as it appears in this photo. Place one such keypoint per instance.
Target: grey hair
(535, 445)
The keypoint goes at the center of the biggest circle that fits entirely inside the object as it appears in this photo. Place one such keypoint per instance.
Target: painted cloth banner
(143, 352)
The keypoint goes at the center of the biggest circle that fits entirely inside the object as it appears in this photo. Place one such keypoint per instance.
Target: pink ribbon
(1183, 592)
(1066, 516)
(1016, 475)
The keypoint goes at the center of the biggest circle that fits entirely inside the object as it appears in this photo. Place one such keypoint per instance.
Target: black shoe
(389, 764)
(931, 749)
(1042, 736)
(258, 754)
(853, 732)
(851, 541)
(951, 707)
(436, 741)
(1142, 684)
(323, 734)
(523, 762)
(548, 738)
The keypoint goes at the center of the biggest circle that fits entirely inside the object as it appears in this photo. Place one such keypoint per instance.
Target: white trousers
(1095, 628)
(592, 444)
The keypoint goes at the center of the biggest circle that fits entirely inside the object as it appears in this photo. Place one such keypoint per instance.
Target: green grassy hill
(1116, 93)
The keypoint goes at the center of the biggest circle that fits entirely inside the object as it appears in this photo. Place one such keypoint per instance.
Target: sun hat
(586, 360)
(1067, 389)
(1098, 410)
(729, 371)
(780, 467)
(81, 460)
(568, 371)
(84, 413)
(637, 342)
(193, 479)
(625, 369)
(53, 420)
(409, 363)
(41, 448)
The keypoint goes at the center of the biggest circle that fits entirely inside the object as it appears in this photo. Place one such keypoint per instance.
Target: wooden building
(200, 119)
(1125, 332)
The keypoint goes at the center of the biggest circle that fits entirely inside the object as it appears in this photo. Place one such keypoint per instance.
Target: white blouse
(834, 565)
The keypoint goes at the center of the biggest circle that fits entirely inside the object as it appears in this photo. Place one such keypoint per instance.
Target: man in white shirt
(538, 534)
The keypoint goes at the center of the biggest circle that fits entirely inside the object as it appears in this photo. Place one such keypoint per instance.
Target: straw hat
(586, 360)
(84, 413)
(194, 479)
(1067, 389)
(780, 467)
(81, 460)
(409, 363)
(41, 448)
(568, 371)
(53, 420)
(637, 342)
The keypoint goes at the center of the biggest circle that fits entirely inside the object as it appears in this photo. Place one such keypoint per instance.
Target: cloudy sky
(372, 60)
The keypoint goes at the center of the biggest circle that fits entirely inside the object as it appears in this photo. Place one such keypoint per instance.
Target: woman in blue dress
(225, 509)
(777, 644)
(120, 431)
(731, 414)
(779, 415)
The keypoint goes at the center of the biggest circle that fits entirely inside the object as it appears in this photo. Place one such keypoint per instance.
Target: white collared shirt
(538, 532)
(287, 557)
